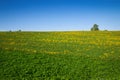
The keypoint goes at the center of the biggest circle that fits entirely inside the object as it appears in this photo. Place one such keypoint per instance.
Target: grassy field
(71, 55)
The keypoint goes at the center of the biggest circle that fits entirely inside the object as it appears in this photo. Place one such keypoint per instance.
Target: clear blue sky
(53, 15)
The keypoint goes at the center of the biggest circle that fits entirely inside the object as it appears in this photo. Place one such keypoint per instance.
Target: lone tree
(10, 31)
(19, 30)
(95, 28)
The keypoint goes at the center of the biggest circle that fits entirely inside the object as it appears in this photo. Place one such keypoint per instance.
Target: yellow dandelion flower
(34, 51)
(106, 54)
(12, 43)
(6, 48)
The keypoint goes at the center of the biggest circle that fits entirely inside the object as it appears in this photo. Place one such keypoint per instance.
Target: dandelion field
(79, 55)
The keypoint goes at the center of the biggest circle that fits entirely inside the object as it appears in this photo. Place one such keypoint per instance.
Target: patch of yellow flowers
(40, 40)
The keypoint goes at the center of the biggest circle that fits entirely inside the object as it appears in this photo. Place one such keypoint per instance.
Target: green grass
(60, 55)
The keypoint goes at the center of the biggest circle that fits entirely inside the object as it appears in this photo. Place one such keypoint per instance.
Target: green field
(79, 55)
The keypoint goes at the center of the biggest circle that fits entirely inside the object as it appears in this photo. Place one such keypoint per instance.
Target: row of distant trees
(16, 31)
(94, 28)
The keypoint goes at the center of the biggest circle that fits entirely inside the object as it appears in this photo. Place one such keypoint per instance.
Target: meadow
(73, 55)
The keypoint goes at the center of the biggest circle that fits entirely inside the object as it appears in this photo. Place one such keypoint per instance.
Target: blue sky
(59, 15)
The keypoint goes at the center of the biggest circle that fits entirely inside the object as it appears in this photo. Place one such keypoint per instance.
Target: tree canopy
(95, 28)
